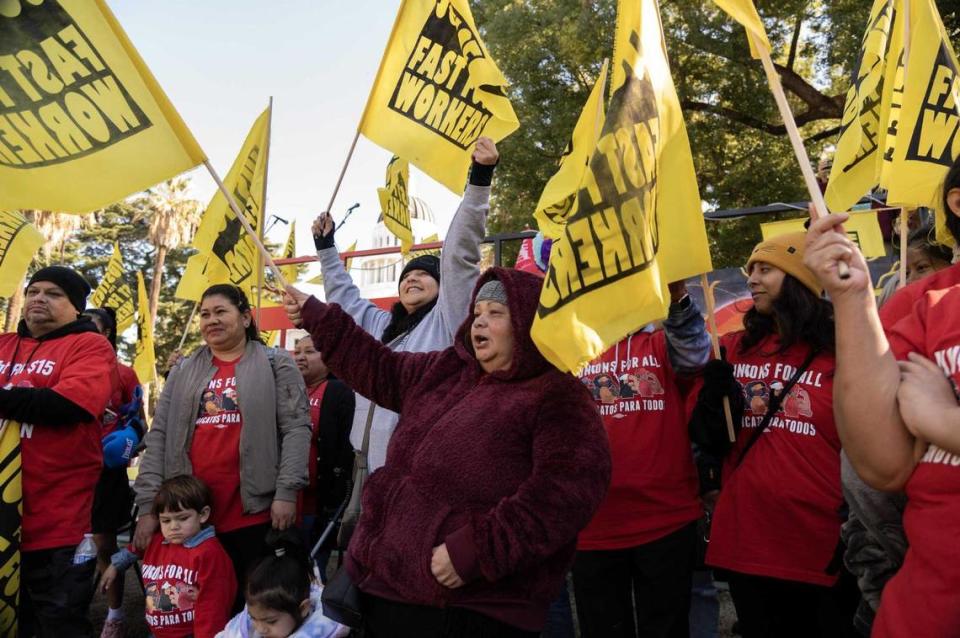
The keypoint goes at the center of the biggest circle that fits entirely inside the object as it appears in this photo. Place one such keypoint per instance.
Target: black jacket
(334, 451)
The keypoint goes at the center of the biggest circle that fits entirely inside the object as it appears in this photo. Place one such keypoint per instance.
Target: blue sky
(219, 62)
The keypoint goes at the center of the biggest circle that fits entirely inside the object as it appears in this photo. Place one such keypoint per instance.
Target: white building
(377, 276)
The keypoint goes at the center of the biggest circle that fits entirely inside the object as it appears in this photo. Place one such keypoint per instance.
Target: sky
(220, 61)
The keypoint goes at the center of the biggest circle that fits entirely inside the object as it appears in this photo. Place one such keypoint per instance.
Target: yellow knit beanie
(786, 253)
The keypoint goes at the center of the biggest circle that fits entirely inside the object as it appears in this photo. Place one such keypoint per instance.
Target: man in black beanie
(57, 374)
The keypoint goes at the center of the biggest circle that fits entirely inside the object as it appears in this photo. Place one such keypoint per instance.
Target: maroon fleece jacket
(505, 468)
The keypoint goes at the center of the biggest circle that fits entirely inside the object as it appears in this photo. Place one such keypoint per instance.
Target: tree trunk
(158, 262)
(14, 309)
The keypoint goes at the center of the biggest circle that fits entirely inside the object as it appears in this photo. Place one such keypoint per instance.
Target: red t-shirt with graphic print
(778, 513)
(215, 451)
(653, 489)
(308, 496)
(921, 599)
(60, 463)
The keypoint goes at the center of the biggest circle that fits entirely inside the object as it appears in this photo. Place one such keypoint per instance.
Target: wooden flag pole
(715, 339)
(246, 225)
(186, 328)
(816, 197)
(343, 171)
(904, 232)
(262, 222)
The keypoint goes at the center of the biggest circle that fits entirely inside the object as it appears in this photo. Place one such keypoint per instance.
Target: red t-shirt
(215, 450)
(60, 463)
(921, 599)
(778, 514)
(308, 496)
(190, 590)
(122, 395)
(653, 489)
(903, 301)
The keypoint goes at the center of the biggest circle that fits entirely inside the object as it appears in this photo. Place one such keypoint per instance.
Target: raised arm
(874, 436)
(460, 258)
(688, 343)
(360, 360)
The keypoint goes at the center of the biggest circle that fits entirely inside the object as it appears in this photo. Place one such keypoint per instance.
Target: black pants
(55, 594)
(640, 591)
(245, 547)
(775, 608)
(387, 619)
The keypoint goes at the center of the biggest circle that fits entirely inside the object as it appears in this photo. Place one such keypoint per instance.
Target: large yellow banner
(83, 122)
(19, 242)
(220, 236)
(395, 202)
(114, 292)
(869, 123)
(437, 91)
(927, 136)
(144, 358)
(559, 195)
(638, 223)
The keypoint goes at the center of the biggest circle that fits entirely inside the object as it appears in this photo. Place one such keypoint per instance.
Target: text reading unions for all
(435, 89)
(58, 98)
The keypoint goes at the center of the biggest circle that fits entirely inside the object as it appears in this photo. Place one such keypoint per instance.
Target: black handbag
(341, 600)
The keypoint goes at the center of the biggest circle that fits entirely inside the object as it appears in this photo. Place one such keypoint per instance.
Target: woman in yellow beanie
(776, 524)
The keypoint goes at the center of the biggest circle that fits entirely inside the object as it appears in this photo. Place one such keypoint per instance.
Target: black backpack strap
(774, 406)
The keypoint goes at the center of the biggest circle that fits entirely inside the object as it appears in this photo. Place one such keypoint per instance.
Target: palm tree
(173, 218)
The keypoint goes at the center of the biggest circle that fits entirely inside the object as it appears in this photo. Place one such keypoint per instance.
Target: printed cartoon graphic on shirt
(795, 408)
(170, 601)
(219, 404)
(625, 386)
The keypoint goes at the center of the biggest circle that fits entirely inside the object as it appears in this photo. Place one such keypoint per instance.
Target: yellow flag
(437, 91)
(11, 513)
(144, 359)
(83, 122)
(19, 242)
(928, 139)
(290, 251)
(868, 125)
(114, 292)
(395, 202)
(220, 234)
(863, 229)
(557, 200)
(201, 273)
(638, 223)
(746, 14)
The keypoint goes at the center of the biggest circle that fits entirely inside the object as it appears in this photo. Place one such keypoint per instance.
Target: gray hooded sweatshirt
(459, 269)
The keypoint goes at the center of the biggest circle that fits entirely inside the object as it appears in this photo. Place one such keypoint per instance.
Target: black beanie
(72, 283)
(430, 264)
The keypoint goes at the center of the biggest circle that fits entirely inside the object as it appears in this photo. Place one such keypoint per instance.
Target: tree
(172, 218)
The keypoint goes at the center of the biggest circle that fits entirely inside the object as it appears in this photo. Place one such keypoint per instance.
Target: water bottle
(86, 550)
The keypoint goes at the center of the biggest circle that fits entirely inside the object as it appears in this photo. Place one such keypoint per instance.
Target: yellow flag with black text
(637, 224)
(863, 229)
(201, 273)
(744, 12)
(144, 358)
(395, 202)
(83, 122)
(558, 197)
(437, 91)
(114, 292)
(11, 514)
(929, 127)
(289, 251)
(19, 242)
(869, 123)
(220, 234)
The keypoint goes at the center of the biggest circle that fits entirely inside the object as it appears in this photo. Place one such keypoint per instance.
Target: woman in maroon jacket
(496, 464)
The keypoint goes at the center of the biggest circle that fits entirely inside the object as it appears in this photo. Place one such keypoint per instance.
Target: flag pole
(816, 197)
(904, 232)
(186, 328)
(715, 340)
(343, 171)
(262, 222)
(246, 225)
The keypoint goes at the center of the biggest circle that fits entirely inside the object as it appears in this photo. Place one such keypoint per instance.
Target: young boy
(187, 575)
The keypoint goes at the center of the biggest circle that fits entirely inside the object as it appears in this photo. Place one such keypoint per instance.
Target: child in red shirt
(187, 575)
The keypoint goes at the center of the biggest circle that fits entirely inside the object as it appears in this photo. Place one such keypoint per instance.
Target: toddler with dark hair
(187, 575)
